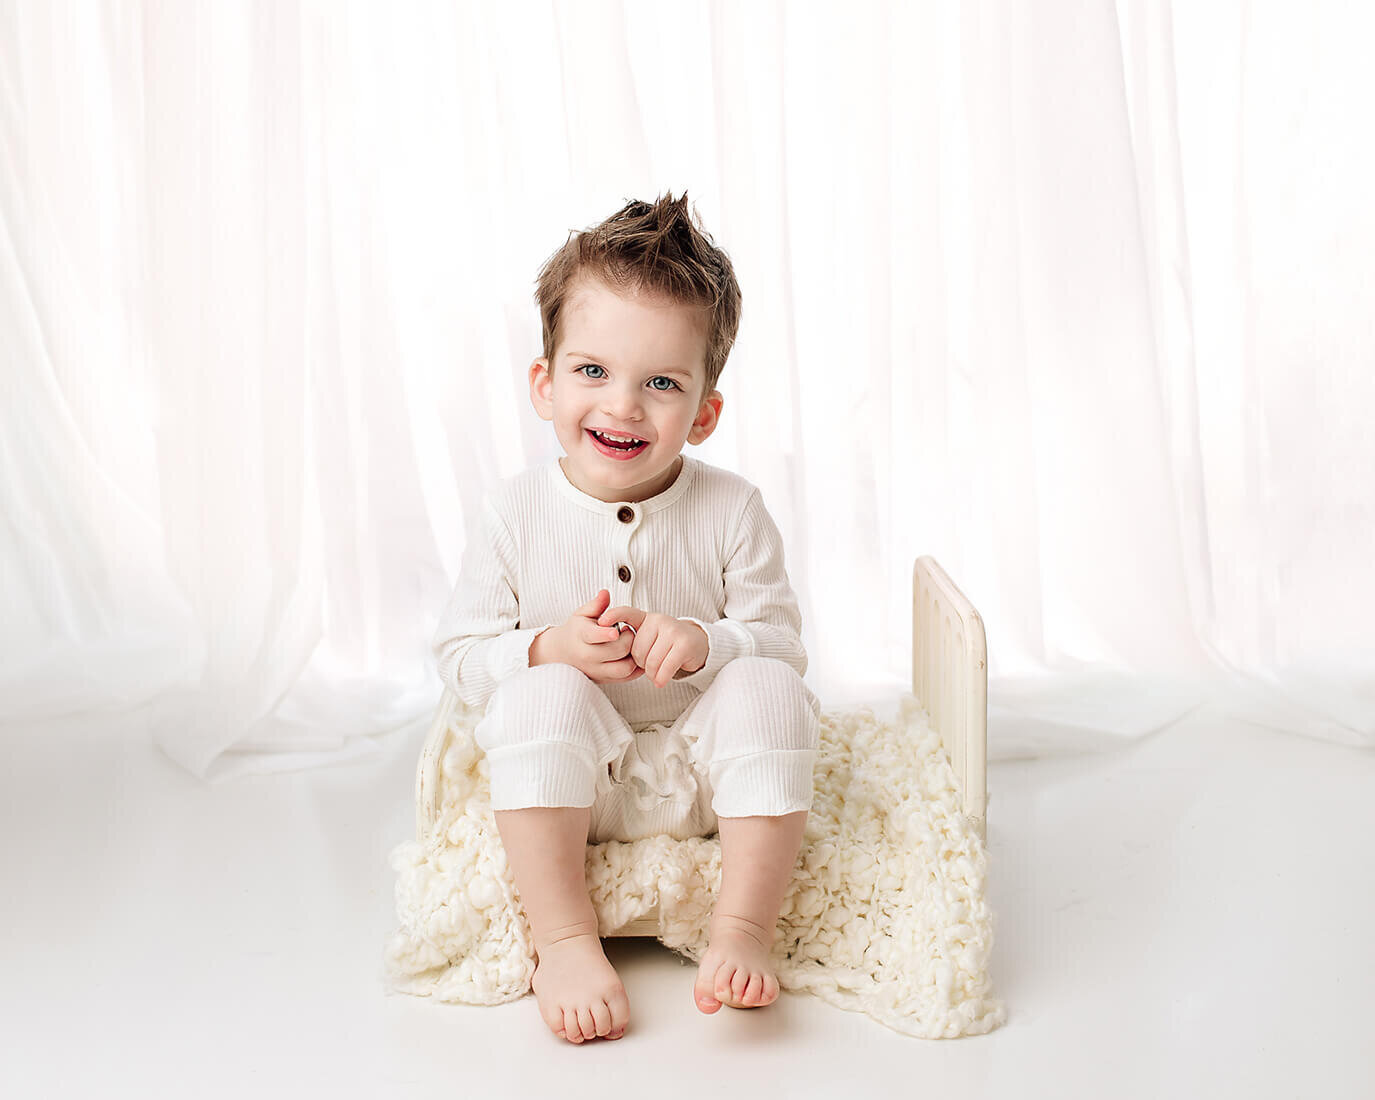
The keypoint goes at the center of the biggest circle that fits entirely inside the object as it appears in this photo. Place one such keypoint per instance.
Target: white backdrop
(1076, 297)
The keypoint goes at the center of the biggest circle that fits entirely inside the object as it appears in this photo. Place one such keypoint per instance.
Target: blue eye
(586, 368)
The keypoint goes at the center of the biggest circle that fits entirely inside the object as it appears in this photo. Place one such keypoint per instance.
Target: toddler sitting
(628, 605)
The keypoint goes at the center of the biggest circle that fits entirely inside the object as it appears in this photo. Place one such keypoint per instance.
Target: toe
(619, 1004)
(571, 1031)
(770, 989)
(738, 984)
(721, 987)
(702, 994)
(703, 991)
(754, 990)
(601, 1017)
(586, 1023)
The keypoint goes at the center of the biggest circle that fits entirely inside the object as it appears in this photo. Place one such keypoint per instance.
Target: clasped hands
(657, 646)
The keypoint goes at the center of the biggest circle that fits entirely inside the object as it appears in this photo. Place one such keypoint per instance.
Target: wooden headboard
(950, 678)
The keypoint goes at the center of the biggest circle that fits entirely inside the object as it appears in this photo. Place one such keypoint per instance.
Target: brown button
(623, 573)
(626, 514)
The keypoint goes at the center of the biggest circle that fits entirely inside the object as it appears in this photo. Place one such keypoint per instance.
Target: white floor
(1190, 916)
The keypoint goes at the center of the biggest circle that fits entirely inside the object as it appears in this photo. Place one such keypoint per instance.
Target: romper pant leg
(755, 733)
(549, 733)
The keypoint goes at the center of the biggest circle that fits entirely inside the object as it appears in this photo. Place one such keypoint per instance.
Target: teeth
(618, 438)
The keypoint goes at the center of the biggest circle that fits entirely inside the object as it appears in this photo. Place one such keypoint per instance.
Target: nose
(621, 401)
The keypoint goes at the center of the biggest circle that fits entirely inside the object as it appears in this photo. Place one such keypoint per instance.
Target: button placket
(623, 567)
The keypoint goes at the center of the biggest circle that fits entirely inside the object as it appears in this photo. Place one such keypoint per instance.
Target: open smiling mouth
(614, 448)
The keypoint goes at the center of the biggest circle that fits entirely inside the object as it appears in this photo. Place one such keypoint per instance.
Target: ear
(542, 389)
(708, 416)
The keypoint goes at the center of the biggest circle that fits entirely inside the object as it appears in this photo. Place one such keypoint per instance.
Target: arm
(478, 643)
(761, 617)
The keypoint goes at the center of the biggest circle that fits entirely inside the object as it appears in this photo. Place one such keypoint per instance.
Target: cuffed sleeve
(761, 616)
(479, 641)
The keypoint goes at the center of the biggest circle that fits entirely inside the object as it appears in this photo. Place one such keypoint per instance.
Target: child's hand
(601, 653)
(663, 644)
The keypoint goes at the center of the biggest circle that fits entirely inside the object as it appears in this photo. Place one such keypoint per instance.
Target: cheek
(571, 413)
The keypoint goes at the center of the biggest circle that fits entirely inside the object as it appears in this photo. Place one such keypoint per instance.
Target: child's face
(633, 366)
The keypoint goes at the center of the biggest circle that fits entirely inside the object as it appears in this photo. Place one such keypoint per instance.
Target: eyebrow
(664, 370)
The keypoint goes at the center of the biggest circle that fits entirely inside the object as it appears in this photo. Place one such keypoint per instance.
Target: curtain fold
(1075, 300)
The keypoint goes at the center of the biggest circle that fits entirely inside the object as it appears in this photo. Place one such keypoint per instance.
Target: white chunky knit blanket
(885, 915)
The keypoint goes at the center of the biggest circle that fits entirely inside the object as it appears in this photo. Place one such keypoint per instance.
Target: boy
(676, 706)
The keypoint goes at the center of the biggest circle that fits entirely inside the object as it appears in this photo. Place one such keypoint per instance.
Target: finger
(644, 644)
(632, 615)
(673, 662)
(624, 670)
(596, 605)
(597, 635)
(658, 654)
(612, 619)
(614, 645)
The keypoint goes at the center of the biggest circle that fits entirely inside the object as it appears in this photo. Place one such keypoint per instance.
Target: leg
(547, 733)
(755, 731)
(758, 855)
(579, 993)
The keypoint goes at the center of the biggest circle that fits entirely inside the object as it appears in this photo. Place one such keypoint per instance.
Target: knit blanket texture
(885, 914)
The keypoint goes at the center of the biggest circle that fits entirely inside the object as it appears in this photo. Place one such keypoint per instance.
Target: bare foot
(736, 970)
(579, 993)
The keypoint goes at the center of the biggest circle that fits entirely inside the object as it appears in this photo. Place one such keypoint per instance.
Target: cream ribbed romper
(736, 738)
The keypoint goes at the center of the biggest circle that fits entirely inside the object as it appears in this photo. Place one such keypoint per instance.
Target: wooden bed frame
(949, 679)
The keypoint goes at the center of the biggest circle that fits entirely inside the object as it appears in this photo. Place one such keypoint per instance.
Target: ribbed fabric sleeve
(761, 618)
(705, 549)
(479, 642)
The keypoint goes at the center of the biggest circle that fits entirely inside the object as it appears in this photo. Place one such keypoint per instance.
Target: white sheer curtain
(1075, 297)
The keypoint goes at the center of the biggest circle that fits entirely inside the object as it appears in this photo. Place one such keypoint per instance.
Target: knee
(544, 703)
(764, 693)
(768, 675)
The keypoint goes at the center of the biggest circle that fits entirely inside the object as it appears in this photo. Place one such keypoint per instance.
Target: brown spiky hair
(655, 249)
